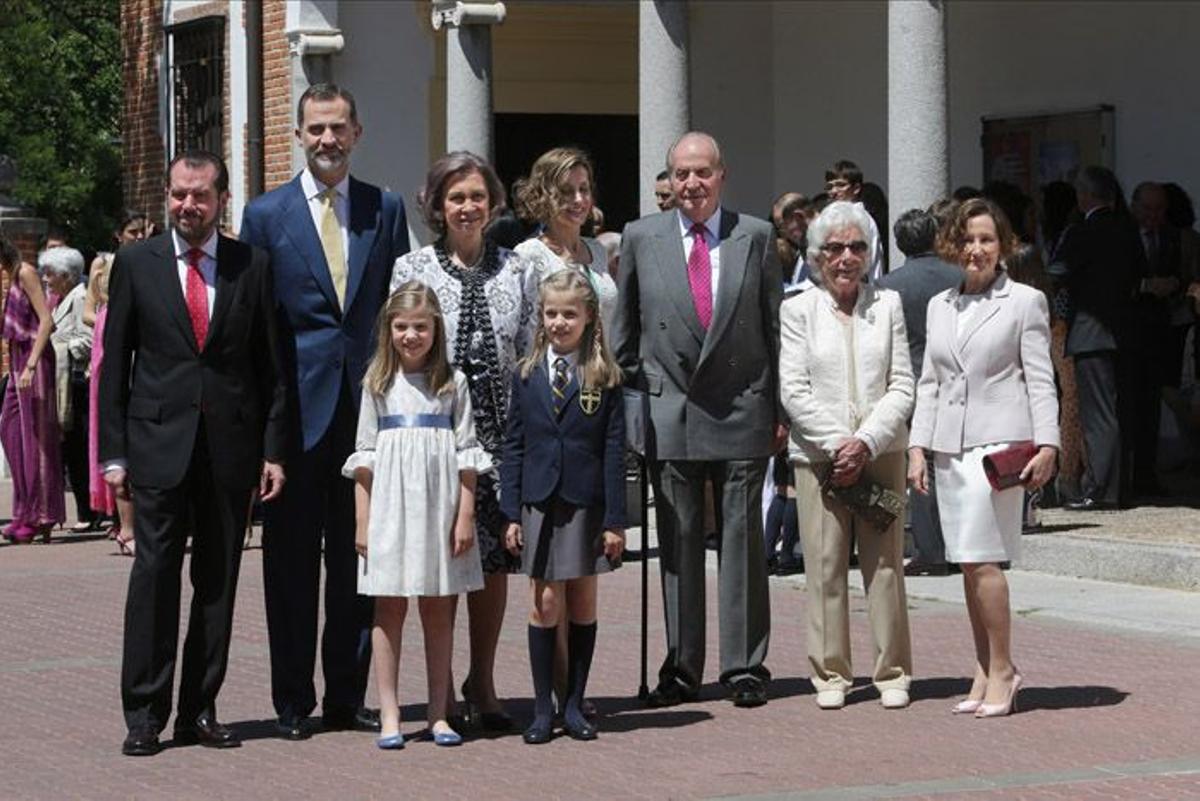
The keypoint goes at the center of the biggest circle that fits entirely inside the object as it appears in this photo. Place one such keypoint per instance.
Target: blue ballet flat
(392, 742)
(447, 738)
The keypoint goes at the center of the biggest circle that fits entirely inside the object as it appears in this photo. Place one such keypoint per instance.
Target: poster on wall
(1033, 150)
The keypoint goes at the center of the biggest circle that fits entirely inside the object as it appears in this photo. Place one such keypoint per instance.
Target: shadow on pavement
(1058, 528)
(1070, 697)
(938, 687)
(789, 687)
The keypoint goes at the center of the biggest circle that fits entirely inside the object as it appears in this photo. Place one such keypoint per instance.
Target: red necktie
(700, 275)
(197, 297)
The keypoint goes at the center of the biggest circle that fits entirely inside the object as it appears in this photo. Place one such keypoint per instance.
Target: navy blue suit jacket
(325, 347)
(578, 457)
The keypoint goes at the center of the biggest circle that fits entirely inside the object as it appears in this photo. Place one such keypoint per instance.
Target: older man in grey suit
(697, 328)
(922, 276)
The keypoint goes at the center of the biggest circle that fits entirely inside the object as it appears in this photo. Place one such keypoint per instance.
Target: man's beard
(329, 160)
(194, 228)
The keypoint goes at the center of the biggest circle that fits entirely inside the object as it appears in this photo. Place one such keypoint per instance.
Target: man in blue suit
(332, 241)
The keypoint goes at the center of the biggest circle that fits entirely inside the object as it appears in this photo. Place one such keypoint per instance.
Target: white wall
(1013, 57)
(830, 64)
(732, 93)
(388, 63)
(789, 87)
(792, 87)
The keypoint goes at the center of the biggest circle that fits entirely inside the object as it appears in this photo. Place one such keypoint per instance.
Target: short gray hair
(64, 261)
(839, 214)
(718, 161)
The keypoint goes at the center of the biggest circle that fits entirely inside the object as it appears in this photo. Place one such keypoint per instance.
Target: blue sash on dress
(415, 421)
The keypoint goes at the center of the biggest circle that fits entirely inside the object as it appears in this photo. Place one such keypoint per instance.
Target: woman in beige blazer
(987, 383)
(846, 384)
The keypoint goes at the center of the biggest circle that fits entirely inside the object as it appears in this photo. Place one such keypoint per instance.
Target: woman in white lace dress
(558, 194)
(488, 297)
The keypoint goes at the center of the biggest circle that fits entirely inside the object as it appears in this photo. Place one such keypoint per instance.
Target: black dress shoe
(361, 719)
(208, 732)
(789, 567)
(670, 693)
(748, 692)
(488, 721)
(141, 742)
(367, 719)
(1089, 505)
(539, 732)
(580, 729)
(292, 729)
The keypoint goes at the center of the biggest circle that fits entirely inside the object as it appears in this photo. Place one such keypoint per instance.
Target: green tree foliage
(60, 107)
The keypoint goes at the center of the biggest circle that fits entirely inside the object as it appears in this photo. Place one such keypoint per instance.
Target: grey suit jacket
(712, 395)
(918, 280)
(993, 384)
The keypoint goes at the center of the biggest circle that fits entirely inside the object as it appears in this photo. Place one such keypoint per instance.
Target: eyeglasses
(835, 249)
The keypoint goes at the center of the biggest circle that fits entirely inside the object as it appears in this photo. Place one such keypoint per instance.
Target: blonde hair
(412, 296)
(600, 370)
(98, 277)
(540, 197)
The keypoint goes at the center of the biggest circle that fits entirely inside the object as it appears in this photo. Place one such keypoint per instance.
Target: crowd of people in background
(792, 376)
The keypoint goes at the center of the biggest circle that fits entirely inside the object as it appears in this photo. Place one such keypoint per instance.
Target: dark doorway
(610, 139)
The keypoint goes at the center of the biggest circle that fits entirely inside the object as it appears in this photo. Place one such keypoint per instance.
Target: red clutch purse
(1003, 468)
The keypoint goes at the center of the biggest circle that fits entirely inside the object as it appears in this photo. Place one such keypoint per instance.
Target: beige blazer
(815, 361)
(993, 384)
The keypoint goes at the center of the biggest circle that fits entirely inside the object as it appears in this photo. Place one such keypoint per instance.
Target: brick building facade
(171, 93)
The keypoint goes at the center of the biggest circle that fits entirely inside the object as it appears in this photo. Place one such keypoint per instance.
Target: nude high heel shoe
(966, 707)
(1000, 710)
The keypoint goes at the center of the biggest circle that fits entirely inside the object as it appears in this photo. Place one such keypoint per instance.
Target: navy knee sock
(541, 664)
(581, 644)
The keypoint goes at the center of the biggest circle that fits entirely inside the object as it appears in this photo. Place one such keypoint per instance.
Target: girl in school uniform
(563, 487)
(414, 468)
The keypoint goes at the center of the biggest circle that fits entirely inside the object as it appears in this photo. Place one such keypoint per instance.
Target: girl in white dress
(414, 468)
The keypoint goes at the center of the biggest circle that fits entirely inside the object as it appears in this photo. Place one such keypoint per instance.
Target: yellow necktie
(331, 243)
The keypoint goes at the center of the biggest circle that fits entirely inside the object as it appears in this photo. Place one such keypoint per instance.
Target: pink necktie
(197, 297)
(700, 275)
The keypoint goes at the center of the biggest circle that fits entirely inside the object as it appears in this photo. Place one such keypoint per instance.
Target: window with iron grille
(198, 78)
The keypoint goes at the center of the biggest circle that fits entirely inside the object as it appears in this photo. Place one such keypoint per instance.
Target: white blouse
(545, 262)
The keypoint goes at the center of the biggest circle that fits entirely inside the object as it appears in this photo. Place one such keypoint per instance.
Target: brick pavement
(1108, 714)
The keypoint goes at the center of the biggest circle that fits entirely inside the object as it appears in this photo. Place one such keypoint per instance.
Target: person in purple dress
(29, 429)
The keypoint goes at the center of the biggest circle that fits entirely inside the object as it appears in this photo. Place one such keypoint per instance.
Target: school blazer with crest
(995, 383)
(577, 456)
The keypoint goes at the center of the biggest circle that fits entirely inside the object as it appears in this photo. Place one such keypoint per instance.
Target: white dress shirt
(208, 266)
(313, 189)
(712, 235)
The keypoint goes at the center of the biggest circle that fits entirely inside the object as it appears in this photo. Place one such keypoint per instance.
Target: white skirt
(978, 523)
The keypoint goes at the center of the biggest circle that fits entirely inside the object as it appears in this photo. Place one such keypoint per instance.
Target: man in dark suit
(1164, 318)
(697, 328)
(922, 276)
(332, 241)
(1102, 261)
(192, 415)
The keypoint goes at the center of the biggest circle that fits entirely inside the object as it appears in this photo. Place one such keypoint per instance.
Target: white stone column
(918, 150)
(468, 73)
(664, 100)
(469, 90)
(313, 40)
